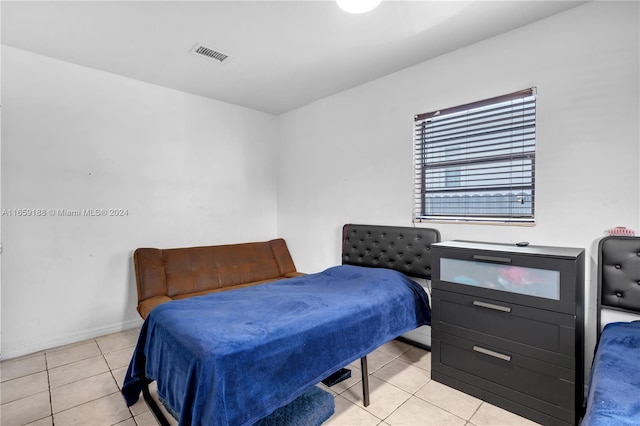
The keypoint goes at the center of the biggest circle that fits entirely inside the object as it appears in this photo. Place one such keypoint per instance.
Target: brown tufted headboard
(618, 275)
(404, 249)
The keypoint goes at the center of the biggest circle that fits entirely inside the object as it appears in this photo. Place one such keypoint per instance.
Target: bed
(234, 357)
(613, 397)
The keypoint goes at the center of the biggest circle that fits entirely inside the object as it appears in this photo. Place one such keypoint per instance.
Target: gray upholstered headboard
(619, 274)
(404, 249)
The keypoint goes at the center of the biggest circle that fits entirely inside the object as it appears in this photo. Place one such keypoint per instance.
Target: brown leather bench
(169, 274)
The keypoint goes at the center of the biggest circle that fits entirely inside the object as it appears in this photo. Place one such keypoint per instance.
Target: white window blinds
(476, 162)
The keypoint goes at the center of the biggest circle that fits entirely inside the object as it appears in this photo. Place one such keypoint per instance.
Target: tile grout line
(133, 417)
(46, 366)
(102, 353)
(63, 365)
(474, 413)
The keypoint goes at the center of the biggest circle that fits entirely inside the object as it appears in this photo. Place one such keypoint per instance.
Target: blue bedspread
(233, 357)
(614, 390)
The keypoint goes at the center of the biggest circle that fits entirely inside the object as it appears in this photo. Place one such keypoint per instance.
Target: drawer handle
(491, 306)
(491, 258)
(492, 353)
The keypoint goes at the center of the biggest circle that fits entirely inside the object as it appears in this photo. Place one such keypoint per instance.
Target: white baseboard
(30, 348)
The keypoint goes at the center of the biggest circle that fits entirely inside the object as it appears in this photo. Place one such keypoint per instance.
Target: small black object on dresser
(508, 326)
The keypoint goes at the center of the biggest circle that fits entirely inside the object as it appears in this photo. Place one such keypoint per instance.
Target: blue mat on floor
(312, 408)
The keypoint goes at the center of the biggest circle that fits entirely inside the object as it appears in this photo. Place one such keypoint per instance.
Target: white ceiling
(283, 54)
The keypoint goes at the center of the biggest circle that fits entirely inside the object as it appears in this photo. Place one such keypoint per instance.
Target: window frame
(509, 199)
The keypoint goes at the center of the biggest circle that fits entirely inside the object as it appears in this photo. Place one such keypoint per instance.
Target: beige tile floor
(79, 384)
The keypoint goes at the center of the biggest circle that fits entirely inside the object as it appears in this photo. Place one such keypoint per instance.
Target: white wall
(189, 170)
(348, 157)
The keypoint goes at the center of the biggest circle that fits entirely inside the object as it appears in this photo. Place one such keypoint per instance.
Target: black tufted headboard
(404, 249)
(619, 274)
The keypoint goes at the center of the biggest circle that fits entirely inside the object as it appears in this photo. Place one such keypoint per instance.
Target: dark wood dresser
(508, 326)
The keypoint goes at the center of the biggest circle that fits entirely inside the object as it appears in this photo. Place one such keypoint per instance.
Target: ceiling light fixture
(358, 6)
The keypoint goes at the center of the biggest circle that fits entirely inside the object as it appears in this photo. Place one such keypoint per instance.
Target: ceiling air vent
(208, 53)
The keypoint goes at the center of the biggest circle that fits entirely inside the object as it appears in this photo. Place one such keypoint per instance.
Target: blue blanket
(233, 357)
(614, 391)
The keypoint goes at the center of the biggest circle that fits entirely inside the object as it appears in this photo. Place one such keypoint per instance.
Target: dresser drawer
(512, 375)
(541, 277)
(537, 333)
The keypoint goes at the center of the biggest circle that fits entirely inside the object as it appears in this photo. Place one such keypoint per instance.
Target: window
(476, 162)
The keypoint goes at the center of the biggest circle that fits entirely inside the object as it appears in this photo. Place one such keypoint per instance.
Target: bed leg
(365, 380)
(157, 413)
